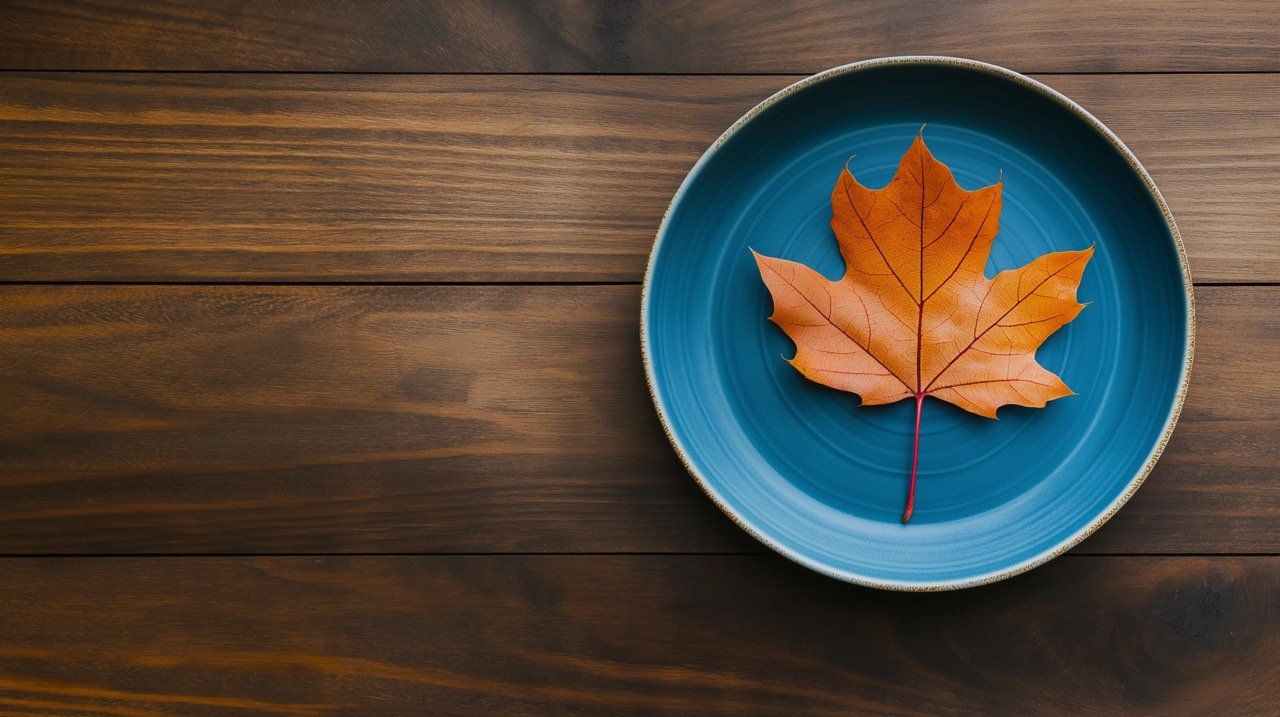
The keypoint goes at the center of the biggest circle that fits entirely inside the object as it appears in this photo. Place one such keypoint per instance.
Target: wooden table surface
(322, 390)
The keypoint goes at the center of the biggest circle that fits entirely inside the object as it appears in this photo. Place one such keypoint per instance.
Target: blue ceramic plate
(822, 480)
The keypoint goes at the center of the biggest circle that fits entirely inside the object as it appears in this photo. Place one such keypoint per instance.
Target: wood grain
(158, 177)
(650, 36)
(473, 419)
(453, 421)
(584, 635)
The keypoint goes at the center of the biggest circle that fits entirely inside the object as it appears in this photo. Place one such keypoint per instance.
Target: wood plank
(651, 36)
(590, 635)
(334, 419)
(472, 419)
(159, 177)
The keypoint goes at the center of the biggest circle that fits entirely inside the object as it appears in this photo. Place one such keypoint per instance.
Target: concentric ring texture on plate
(821, 479)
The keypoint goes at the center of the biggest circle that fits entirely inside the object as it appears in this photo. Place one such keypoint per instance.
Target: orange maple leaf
(914, 315)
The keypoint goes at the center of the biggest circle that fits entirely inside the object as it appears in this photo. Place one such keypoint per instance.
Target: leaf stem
(915, 462)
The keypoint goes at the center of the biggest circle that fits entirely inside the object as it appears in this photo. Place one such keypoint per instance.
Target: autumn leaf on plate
(914, 314)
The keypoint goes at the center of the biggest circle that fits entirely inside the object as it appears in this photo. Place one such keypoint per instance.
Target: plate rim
(1044, 556)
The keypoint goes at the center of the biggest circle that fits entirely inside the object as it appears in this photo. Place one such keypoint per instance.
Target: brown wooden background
(322, 392)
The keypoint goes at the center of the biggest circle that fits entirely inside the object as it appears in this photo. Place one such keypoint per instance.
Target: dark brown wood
(461, 420)
(583, 635)
(337, 419)
(651, 36)
(159, 177)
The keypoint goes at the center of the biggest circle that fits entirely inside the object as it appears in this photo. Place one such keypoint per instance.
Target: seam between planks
(797, 73)
(233, 282)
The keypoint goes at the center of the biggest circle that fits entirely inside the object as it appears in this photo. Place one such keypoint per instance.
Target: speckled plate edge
(988, 577)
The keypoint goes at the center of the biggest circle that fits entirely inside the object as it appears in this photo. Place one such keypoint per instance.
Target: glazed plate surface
(821, 479)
